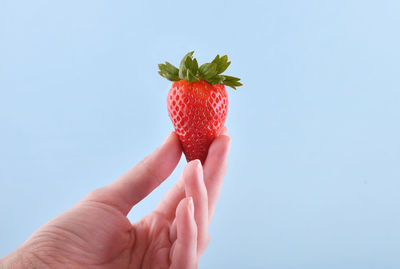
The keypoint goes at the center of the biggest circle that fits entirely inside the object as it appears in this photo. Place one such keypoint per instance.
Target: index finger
(142, 179)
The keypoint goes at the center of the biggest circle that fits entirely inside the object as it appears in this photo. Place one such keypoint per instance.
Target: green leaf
(169, 76)
(229, 78)
(222, 63)
(192, 65)
(169, 71)
(190, 76)
(207, 71)
(189, 70)
(186, 63)
(216, 80)
(232, 82)
(216, 59)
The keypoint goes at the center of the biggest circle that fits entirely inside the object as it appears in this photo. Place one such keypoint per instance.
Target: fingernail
(197, 163)
(191, 206)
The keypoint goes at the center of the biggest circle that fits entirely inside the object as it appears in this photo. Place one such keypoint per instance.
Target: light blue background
(314, 176)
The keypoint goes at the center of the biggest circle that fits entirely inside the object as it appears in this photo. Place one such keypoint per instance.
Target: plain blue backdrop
(314, 176)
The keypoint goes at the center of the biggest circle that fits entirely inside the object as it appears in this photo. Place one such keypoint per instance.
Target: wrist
(22, 259)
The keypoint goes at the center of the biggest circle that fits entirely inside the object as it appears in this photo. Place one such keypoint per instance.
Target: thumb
(142, 179)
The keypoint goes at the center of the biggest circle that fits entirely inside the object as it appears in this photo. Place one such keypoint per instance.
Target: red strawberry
(198, 102)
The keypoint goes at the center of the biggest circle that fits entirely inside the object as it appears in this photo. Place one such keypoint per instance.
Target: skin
(95, 233)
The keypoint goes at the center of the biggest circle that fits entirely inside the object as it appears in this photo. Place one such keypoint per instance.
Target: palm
(107, 238)
(96, 233)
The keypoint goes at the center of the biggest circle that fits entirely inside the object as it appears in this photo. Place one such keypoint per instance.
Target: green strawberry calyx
(189, 70)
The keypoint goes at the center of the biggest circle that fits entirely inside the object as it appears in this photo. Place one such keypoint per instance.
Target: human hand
(95, 233)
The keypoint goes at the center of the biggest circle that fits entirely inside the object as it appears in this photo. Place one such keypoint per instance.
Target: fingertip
(224, 130)
(192, 174)
(184, 206)
(172, 138)
(184, 250)
(192, 167)
(168, 138)
(220, 146)
(185, 217)
(195, 163)
(226, 139)
(171, 148)
(179, 208)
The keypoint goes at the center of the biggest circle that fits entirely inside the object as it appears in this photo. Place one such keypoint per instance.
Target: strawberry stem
(189, 70)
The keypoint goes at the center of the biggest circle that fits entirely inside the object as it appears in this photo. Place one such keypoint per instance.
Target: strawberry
(198, 102)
